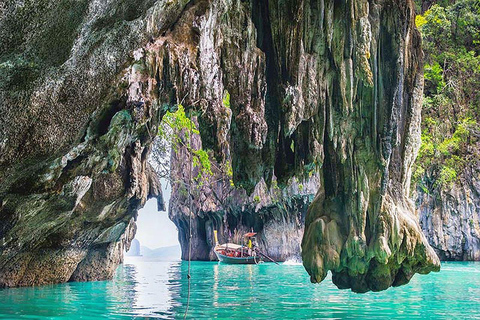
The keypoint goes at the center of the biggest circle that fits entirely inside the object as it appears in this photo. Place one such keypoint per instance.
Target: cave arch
(306, 83)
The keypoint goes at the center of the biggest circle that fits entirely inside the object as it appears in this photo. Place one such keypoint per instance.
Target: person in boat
(249, 245)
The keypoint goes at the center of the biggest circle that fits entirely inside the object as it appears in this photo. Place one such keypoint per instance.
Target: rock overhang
(307, 87)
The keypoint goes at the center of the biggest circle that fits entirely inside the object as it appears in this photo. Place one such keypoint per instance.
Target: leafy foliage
(177, 130)
(450, 131)
(179, 134)
(226, 99)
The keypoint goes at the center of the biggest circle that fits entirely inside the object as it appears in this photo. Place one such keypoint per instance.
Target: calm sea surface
(158, 289)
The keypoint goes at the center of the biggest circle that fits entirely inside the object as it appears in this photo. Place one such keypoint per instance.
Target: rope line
(189, 225)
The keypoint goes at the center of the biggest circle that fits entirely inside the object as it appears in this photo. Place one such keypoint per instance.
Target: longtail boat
(233, 253)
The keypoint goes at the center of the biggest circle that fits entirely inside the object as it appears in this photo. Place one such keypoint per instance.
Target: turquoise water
(158, 289)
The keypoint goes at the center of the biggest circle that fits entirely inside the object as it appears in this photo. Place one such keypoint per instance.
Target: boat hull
(234, 260)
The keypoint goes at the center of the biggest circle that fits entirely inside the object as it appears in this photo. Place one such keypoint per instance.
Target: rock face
(333, 85)
(450, 218)
(277, 215)
(340, 94)
(362, 225)
(75, 131)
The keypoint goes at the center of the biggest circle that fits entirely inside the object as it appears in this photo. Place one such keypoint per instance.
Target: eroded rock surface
(450, 217)
(334, 85)
(277, 215)
(75, 130)
(362, 226)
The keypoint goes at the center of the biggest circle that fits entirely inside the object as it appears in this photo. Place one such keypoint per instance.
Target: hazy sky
(155, 229)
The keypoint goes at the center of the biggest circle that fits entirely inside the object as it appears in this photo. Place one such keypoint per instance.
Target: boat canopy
(233, 246)
(250, 234)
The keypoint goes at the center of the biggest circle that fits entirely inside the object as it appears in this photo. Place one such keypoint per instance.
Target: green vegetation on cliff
(176, 128)
(451, 108)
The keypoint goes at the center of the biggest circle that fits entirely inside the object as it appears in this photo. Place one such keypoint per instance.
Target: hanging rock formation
(334, 85)
(362, 225)
(344, 93)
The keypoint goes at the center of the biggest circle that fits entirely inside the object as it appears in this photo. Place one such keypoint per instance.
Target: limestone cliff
(450, 217)
(446, 173)
(345, 93)
(333, 85)
(75, 130)
(277, 215)
(362, 225)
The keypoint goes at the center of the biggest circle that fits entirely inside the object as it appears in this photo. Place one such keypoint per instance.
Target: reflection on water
(158, 289)
(140, 288)
(152, 290)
